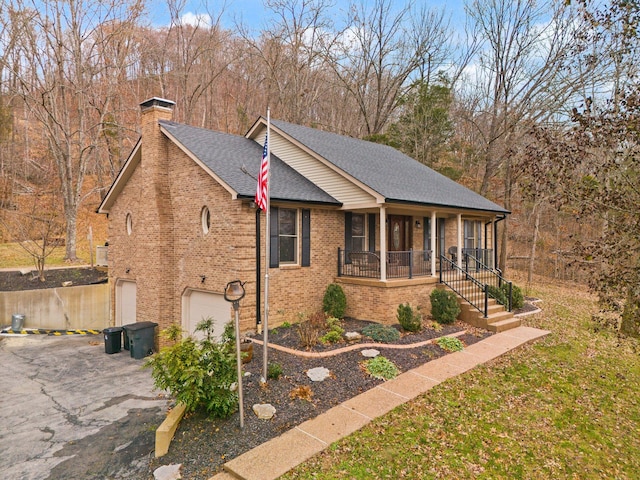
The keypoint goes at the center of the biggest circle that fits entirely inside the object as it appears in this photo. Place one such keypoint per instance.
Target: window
(472, 234)
(358, 237)
(129, 223)
(288, 233)
(205, 219)
(359, 232)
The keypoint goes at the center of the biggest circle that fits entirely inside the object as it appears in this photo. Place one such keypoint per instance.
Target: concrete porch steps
(498, 319)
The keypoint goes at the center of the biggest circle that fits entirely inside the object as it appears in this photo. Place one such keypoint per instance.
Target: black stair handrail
(498, 279)
(453, 276)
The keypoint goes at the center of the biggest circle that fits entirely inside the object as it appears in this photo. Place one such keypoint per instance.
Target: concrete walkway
(279, 455)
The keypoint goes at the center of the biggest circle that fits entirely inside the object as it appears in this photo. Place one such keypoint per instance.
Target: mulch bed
(11, 281)
(202, 445)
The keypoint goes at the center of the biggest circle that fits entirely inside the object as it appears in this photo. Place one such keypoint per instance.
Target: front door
(399, 239)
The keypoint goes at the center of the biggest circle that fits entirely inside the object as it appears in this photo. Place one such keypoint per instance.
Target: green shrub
(334, 335)
(331, 337)
(199, 373)
(381, 333)
(517, 298)
(408, 318)
(444, 306)
(274, 371)
(450, 344)
(381, 368)
(498, 294)
(502, 295)
(334, 302)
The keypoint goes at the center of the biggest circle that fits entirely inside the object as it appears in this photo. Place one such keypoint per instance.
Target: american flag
(263, 187)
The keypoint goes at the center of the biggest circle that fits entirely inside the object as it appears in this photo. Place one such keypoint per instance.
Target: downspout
(383, 244)
(495, 241)
(258, 286)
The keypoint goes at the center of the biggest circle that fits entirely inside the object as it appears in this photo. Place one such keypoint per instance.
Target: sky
(255, 15)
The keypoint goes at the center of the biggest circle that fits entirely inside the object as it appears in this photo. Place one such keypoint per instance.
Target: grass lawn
(567, 406)
(13, 256)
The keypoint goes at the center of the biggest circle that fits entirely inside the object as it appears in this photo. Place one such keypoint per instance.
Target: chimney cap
(157, 102)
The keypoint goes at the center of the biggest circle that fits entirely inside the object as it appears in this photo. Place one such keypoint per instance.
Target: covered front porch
(395, 244)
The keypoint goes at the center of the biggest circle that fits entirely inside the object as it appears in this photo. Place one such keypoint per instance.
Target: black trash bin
(125, 339)
(141, 337)
(112, 339)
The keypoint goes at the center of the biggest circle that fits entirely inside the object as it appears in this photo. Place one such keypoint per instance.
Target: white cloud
(201, 20)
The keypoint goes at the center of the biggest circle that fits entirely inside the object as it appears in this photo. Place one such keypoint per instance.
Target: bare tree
(381, 49)
(60, 81)
(292, 78)
(36, 227)
(521, 77)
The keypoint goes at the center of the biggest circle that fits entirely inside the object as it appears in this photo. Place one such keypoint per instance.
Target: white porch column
(459, 256)
(434, 254)
(383, 244)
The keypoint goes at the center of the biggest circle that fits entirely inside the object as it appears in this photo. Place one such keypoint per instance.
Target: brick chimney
(156, 299)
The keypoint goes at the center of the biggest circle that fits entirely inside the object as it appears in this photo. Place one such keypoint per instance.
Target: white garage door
(198, 306)
(125, 302)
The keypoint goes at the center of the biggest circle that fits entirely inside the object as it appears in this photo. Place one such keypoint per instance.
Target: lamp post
(234, 292)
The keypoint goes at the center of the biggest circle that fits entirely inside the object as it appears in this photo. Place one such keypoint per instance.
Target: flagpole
(265, 325)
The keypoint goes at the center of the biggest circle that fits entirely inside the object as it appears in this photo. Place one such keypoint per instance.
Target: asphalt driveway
(69, 410)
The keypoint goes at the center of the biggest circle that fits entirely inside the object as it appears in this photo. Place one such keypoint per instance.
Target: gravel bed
(202, 445)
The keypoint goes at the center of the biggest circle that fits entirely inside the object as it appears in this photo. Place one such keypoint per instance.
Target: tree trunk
(71, 215)
(630, 324)
(532, 254)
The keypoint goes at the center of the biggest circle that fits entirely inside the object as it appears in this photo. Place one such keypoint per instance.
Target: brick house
(182, 223)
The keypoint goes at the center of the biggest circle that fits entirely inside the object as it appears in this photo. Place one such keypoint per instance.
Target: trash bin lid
(112, 330)
(132, 327)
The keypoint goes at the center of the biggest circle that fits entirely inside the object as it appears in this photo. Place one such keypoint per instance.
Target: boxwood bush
(334, 302)
(444, 306)
(408, 318)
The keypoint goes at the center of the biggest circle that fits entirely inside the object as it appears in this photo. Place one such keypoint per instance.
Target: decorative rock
(370, 353)
(352, 336)
(168, 472)
(25, 271)
(318, 374)
(67, 284)
(264, 411)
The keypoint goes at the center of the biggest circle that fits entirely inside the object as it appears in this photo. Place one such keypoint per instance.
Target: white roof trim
(380, 199)
(121, 180)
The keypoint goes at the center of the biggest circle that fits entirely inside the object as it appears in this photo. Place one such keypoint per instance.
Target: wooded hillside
(534, 104)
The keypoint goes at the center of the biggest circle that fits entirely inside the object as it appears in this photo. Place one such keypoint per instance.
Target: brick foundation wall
(377, 301)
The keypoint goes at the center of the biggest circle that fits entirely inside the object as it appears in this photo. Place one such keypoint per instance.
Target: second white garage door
(198, 305)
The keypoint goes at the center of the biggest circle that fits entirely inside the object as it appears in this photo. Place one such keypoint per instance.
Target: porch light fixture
(234, 292)
(418, 225)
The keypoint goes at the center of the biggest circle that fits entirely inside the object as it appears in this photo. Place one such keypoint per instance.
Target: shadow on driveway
(69, 410)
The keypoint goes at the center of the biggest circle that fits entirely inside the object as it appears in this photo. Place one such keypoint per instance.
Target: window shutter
(306, 237)
(372, 232)
(274, 240)
(348, 240)
(426, 237)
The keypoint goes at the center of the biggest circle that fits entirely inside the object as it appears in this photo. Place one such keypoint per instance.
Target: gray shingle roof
(389, 172)
(225, 155)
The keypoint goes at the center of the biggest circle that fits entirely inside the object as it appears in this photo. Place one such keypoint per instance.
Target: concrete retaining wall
(81, 307)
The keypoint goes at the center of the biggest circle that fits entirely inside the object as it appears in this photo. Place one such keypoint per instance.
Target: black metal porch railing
(408, 264)
(478, 258)
(477, 289)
